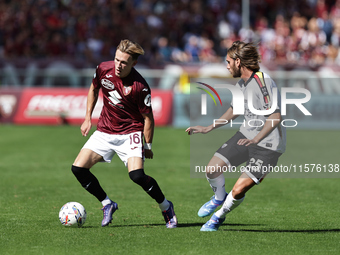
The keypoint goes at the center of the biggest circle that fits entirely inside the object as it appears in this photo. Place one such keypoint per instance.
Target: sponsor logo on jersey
(109, 76)
(107, 84)
(127, 90)
(147, 100)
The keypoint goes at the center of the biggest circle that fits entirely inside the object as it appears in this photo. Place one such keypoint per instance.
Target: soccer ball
(72, 214)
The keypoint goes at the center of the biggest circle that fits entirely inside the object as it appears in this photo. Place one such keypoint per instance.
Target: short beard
(236, 72)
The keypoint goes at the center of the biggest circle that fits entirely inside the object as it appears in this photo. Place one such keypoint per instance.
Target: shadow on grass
(180, 225)
(127, 225)
(310, 231)
(188, 225)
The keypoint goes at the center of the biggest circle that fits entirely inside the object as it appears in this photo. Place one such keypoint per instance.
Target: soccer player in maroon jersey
(125, 121)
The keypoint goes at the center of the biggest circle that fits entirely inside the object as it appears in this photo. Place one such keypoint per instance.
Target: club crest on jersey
(107, 84)
(127, 90)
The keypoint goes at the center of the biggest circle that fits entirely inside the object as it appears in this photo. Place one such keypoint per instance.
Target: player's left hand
(148, 153)
(247, 142)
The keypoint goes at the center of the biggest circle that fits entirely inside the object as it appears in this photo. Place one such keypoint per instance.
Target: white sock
(106, 201)
(229, 204)
(164, 205)
(218, 186)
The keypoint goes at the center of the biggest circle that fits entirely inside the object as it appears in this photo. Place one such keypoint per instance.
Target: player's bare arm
(272, 122)
(228, 115)
(149, 125)
(92, 98)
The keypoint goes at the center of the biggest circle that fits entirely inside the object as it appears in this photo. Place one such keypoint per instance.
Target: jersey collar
(243, 83)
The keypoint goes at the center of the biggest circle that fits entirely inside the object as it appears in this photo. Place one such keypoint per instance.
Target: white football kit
(261, 88)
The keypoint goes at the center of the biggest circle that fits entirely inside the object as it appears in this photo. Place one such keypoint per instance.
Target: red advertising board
(53, 106)
(162, 107)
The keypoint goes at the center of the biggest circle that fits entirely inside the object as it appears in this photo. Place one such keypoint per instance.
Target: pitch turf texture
(280, 216)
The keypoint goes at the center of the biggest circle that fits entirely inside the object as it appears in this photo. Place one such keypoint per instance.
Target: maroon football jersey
(125, 100)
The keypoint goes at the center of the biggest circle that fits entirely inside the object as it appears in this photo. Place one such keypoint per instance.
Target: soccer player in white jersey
(260, 141)
(125, 121)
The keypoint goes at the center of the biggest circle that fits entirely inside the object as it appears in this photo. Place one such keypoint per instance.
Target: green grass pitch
(280, 216)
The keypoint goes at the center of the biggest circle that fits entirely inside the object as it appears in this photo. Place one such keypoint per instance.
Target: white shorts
(107, 145)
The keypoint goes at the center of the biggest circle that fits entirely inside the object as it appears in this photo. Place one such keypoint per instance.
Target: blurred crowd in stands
(289, 33)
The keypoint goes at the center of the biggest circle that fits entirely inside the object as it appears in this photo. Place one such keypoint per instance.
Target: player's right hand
(197, 130)
(86, 127)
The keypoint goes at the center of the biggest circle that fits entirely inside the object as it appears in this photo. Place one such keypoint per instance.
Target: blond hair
(247, 53)
(132, 48)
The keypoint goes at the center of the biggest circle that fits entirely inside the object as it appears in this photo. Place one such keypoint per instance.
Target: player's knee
(239, 192)
(212, 175)
(76, 170)
(236, 192)
(138, 176)
(82, 174)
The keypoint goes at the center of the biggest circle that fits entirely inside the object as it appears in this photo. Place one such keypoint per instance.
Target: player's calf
(89, 182)
(149, 184)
